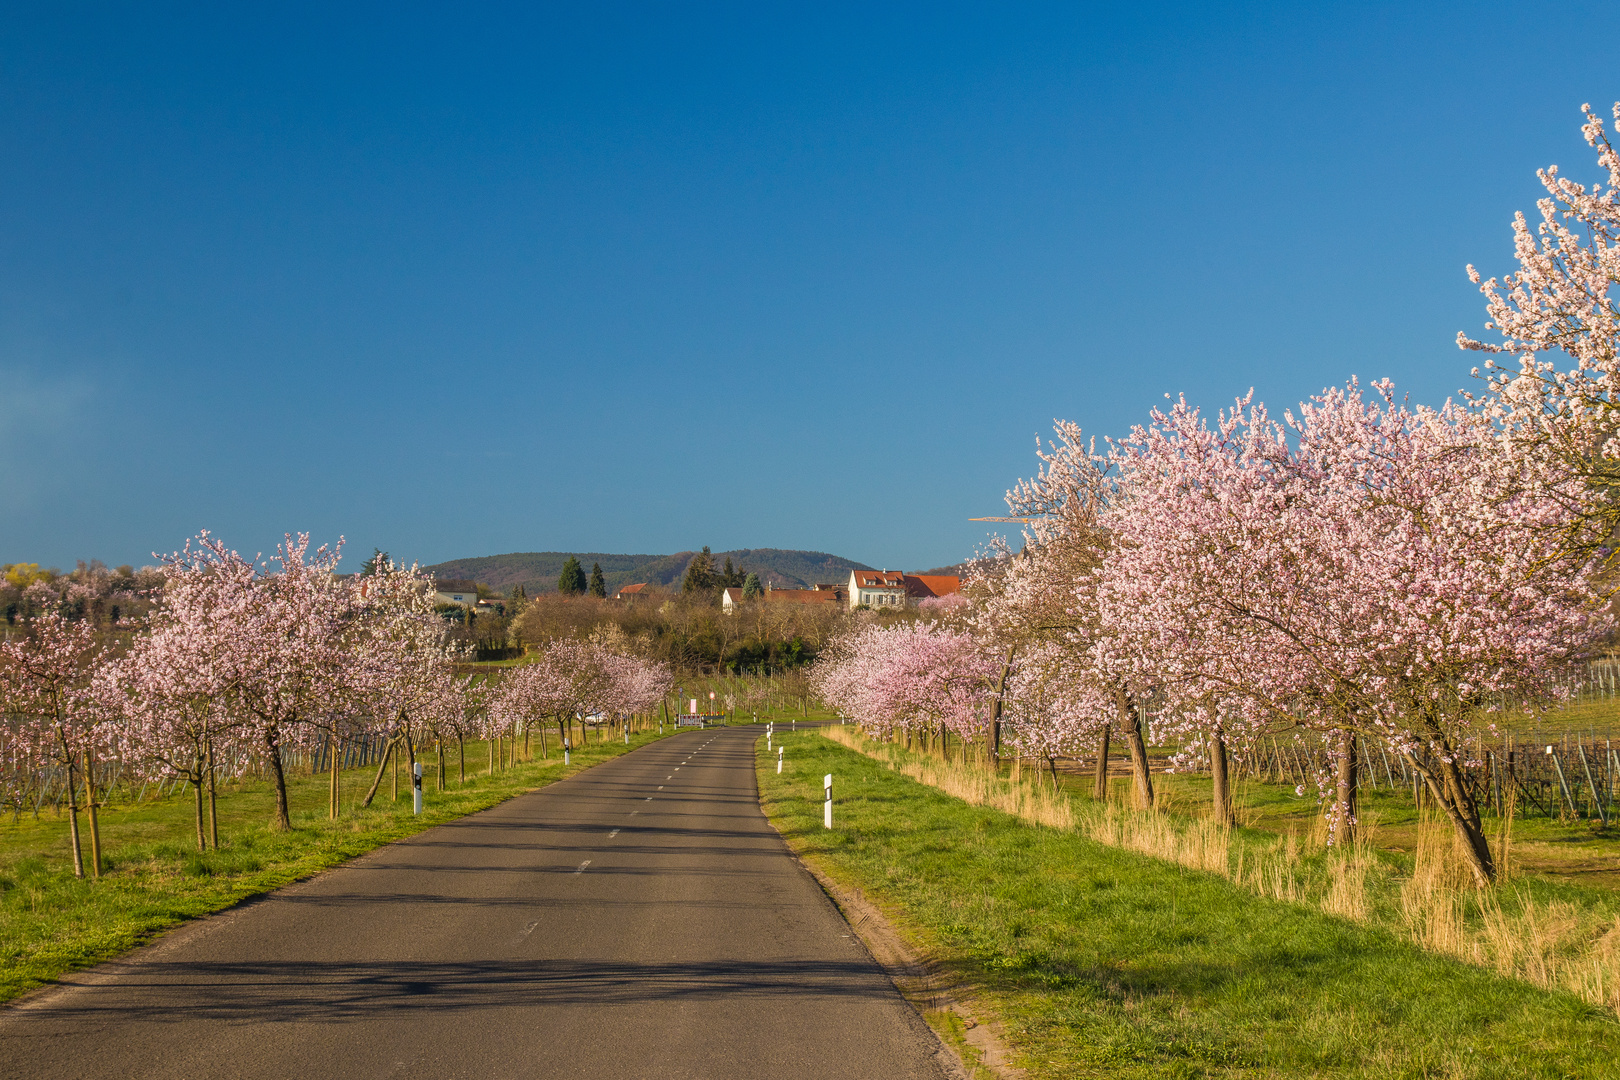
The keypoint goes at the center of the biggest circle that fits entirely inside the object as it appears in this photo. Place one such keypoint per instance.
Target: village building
(464, 593)
(893, 590)
(630, 592)
(821, 593)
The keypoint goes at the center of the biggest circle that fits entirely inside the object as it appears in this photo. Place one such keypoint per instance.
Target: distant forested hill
(537, 571)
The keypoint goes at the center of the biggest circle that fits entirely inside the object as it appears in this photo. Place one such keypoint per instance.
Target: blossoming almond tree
(46, 682)
(1560, 301)
(1385, 577)
(284, 644)
(402, 671)
(1054, 706)
(914, 679)
(1049, 593)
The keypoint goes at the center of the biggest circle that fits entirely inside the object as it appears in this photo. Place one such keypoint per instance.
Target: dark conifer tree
(572, 580)
(598, 582)
(699, 572)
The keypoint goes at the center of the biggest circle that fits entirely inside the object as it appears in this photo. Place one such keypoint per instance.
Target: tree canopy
(572, 579)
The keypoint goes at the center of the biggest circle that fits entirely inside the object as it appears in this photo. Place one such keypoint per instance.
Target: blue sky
(647, 278)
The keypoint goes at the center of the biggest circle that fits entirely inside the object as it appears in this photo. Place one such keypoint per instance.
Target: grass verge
(1100, 961)
(51, 922)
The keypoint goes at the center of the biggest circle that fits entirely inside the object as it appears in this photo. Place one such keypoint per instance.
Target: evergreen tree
(516, 601)
(699, 572)
(751, 586)
(572, 580)
(379, 559)
(731, 578)
(598, 582)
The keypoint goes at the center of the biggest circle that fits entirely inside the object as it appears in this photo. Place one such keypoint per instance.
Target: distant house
(464, 593)
(630, 592)
(877, 589)
(923, 586)
(730, 600)
(893, 589)
(821, 594)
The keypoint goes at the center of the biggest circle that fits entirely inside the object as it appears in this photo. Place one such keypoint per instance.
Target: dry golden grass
(1029, 800)
(1551, 944)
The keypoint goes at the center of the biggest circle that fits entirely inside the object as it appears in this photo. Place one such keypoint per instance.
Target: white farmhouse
(877, 588)
(884, 589)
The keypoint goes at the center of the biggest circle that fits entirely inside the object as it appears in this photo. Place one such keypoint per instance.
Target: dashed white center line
(660, 787)
(612, 834)
(582, 866)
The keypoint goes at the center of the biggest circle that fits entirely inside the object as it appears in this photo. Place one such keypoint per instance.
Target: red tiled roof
(804, 596)
(922, 586)
(631, 590)
(876, 579)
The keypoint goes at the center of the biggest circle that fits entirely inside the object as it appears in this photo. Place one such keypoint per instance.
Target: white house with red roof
(894, 590)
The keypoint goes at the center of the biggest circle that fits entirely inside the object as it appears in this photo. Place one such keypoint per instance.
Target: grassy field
(1105, 962)
(51, 922)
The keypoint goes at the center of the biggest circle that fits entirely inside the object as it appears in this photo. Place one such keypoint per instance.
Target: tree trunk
(1100, 792)
(1130, 722)
(197, 791)
(332, 767)
(73, 818)
(1445, 783)
(1220, 780)
(1052, 764)
(90, 806)
(438, 780)
(995, 707)
(283, 818)
(1344, 804)
(213, 799)
(382, 767)
(461, 766)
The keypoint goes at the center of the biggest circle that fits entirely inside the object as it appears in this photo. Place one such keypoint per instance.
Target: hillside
(537, 571)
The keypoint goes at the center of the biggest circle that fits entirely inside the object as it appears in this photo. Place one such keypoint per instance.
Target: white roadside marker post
(565, 751)
(826, 812)
(779, 761)
(416, 788)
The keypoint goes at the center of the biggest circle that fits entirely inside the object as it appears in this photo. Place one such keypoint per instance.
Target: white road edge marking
(612, 834)
(582, 866)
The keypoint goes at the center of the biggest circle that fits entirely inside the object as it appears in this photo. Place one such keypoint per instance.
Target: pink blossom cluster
(914, 677)
(572, 678)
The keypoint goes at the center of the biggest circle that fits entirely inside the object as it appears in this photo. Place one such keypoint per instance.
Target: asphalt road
(641, 919)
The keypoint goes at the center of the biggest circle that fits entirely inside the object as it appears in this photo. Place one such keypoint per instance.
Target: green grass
(1101, 962)
(51, 923)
